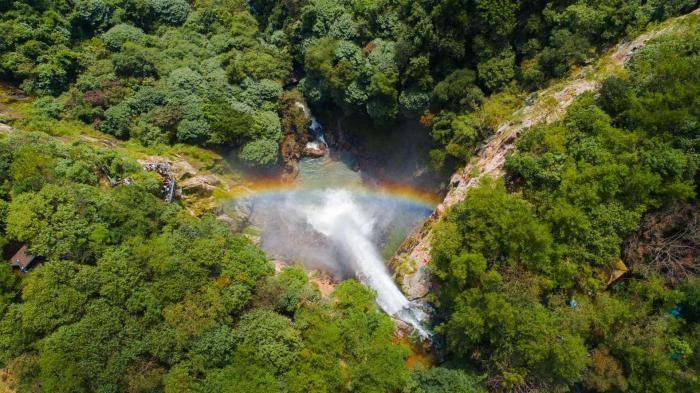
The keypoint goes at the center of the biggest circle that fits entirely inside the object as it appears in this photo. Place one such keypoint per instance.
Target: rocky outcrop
(547, 106)
(198, 188)
(201, 185)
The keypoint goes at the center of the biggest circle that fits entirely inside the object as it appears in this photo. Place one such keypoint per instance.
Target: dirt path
(489, 159)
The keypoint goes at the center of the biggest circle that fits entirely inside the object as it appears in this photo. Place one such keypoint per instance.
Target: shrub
(192, 131)
(49, 106)
(173, 12)
(259, 152)
(134, 61)
(115, 37)
(117, 121)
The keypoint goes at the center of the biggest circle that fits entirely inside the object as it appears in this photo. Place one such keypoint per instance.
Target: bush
(115, 37)
(134, 61)
(173, 12)
(117, 121)
(444, 380)
(49, 106)
(192, 131)
(260, 152)
(149, 134)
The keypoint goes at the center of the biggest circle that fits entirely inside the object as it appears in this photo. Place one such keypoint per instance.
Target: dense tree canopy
(527, 293)
(136, 295)
(132, 294)
(164, 71)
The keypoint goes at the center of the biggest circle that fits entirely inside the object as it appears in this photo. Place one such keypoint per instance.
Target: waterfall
(315, 128)
(327, 227)
(346, 225)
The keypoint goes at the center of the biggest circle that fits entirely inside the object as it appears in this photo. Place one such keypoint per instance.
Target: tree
(444, 380)
(172, 12)
(117, 121)
(458, 91)
(32, 166)
(56, 295)
(56, 221)
(8, 284)
(260, 152)
(118, 35)
(269, 338)
(134, 61)
(497, 71)
(92, 14)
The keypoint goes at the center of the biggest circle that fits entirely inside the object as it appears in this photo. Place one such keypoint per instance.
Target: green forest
(133, 294)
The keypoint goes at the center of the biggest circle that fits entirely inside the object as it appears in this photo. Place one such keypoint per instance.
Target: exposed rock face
(291, 152)
(202, 185)
(182, 170)
(547, 106)
(194, 187)
(233, 224)
(488, 162)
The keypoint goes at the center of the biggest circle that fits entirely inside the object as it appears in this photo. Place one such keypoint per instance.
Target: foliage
(260, 152)
(120, 34)
(216, 64)
(524, 271)
(133, 294)
(135, 68)
(444, 380)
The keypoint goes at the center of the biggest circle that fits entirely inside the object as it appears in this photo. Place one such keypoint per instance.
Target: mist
(338, 232)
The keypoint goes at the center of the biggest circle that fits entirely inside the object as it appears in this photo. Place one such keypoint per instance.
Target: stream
(333, 220)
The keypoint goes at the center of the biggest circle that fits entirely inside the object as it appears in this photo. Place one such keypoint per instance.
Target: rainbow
(399, 192)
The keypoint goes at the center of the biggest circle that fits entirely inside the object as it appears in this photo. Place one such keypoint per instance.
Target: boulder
(201, 185)
(315, 150)
(182, 170)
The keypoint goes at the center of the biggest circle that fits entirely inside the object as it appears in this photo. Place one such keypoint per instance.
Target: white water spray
(315, 127)
(335, 230)
(342, 221)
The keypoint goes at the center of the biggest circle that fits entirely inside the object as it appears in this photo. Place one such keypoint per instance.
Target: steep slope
(414, 254)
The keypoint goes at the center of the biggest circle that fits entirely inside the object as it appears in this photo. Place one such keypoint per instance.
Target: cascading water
(342, 221)
(340, 232)
(315, 128)
(332, 222)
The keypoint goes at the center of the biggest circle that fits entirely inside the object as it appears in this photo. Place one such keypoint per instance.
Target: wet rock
(403, 330)
(315, 150)
(291, 171)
